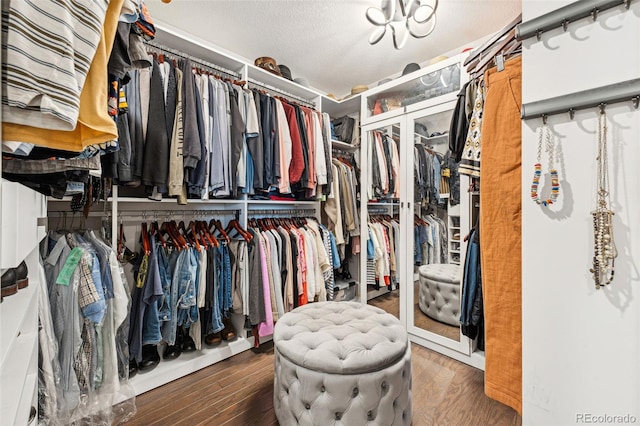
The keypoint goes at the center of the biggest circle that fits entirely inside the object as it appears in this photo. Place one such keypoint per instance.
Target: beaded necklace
(537, 173)
(605, 251)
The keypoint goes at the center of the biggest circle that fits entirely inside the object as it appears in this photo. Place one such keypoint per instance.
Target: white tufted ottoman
(341, 363)
(440, 292)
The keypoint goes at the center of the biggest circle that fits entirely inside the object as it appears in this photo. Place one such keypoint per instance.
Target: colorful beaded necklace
(537, 173)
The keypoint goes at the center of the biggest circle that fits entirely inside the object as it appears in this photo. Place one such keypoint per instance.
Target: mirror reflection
(437, 238)
(383, 243)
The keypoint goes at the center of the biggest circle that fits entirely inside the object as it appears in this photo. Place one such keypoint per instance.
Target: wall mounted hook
(572, 113)
(544, 119)
(636, 101)
(539, 34)
(594, 14)
(627, 4)
(602, 106)
(565, 24)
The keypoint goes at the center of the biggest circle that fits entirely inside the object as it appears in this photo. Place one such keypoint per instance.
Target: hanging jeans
(169, 327)
(225, 279)
(216, 311)
(185, 276)
(164, 305)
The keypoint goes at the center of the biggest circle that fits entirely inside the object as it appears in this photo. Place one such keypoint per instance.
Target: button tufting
(384, 385)
(307, 406)
(322, 389)
(355, 392)
(370, 415)
(338, 416)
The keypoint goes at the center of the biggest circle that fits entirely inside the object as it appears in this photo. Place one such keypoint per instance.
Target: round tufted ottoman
(440, 292)
(341, 363)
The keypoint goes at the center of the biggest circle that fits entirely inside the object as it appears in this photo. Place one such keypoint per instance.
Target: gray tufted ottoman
(341, 363)
(440, 292)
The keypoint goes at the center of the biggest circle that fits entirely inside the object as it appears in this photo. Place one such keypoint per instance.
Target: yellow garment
(500, 233)
(94, 123)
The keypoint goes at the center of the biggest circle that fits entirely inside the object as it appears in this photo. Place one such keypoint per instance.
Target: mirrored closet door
(434, 289)
(382, 189)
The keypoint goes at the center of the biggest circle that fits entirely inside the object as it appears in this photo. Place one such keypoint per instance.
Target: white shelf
(454, 251)
(343, 145)
(341, 108)
(27, 399)
(16, 317)
(280, 83)
(432, 140)
(444, 195)
(292, 202)
(176, 39)
(14, 374)
(187, 363)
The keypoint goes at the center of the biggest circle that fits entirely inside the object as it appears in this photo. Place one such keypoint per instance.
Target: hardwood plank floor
(239, 392)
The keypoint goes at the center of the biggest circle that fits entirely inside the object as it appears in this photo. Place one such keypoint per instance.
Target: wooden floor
(239, 391)
(390, 302)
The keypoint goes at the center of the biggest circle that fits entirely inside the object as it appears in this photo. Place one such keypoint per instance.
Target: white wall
(581, 347)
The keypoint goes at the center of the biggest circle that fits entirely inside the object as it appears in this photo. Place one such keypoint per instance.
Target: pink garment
(265, 328)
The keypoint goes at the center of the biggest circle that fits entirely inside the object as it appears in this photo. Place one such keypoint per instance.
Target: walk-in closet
(384, 212)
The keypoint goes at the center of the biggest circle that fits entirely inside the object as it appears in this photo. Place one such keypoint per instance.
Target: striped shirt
(47, 49)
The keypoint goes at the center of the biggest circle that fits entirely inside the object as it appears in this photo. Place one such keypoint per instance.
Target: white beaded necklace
(604, 245)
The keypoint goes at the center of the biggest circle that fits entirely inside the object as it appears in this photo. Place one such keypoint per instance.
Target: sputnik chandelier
(418, 17)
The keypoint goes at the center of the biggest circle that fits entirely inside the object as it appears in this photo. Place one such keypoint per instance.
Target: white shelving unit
(22, 230)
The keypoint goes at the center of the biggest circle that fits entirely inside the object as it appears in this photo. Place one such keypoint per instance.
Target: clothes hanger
(479, 52)
(480, 66)
(146, 245)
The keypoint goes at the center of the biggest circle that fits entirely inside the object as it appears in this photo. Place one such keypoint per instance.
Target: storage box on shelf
(432, 85)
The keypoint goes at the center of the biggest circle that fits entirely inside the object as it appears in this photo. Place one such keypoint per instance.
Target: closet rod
(625, 91)
(191, 58)
(292, 212)
(560, 18)
(147, 215)
(282, 92)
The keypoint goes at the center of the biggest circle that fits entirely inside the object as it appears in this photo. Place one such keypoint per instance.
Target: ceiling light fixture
(418, 17)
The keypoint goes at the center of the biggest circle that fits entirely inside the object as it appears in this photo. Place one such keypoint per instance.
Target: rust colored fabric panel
(500, 233)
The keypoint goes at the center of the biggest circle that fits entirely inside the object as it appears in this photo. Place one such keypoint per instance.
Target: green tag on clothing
(69, 266)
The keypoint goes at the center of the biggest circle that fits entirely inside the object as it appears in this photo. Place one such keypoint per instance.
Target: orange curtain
(500, 233)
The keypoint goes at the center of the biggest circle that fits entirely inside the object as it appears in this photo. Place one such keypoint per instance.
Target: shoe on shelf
(188, 345)
(150, 358)
(133, 368)
(172, 352)
(213, 339)
(9, 282)
(229, 331)
(22, 275)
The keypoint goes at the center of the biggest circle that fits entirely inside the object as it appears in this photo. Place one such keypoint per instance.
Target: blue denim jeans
(164, 306)
(169, 327)
(471, 279)
(216, 311)
(227, 291)
(152, 293)
(185, 274)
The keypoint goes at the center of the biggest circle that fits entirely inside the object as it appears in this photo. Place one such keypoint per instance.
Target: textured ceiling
(326, 42)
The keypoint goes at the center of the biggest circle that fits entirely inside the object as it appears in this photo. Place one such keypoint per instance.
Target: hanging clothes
(81, 339)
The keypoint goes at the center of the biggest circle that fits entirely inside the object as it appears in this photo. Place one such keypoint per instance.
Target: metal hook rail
(614, 93)
(562, 17)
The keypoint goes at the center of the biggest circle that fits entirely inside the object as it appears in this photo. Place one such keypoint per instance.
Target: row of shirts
(193, 135)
